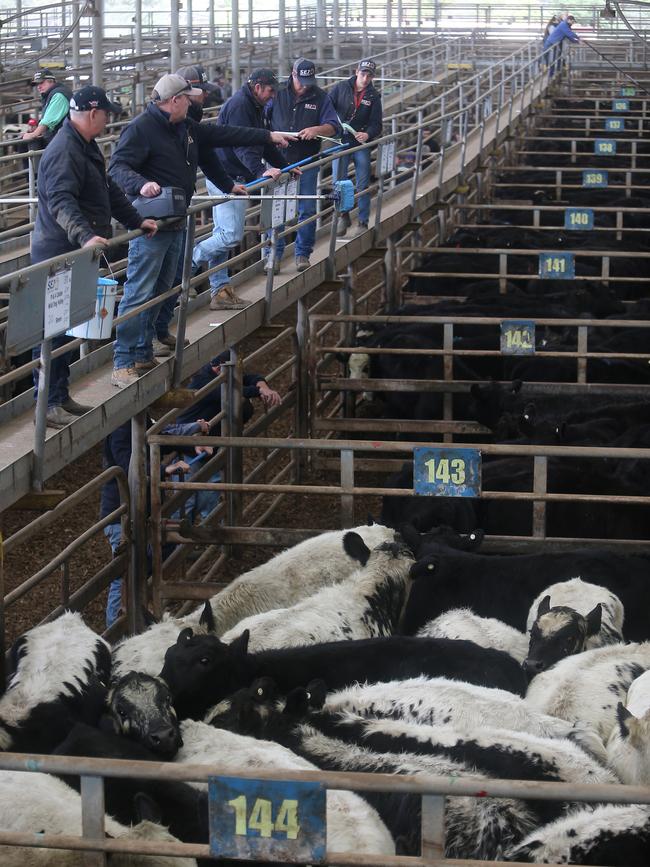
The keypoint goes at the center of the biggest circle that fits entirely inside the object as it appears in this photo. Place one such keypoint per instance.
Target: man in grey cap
(56, 99)
(162, 147)
(197, 77)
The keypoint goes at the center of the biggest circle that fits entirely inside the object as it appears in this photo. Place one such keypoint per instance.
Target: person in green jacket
(55, 109)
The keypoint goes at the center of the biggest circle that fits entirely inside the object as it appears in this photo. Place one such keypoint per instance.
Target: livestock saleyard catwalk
(424, 736)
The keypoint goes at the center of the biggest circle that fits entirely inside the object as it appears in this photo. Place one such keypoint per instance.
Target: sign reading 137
(446, 472)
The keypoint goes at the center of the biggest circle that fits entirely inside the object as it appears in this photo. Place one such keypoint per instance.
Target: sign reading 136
(446, 472)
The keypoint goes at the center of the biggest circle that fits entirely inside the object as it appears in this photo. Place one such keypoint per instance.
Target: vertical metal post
(189, 25)
(418, 160)
(139, 88)
(302, 381)
(156, 531)
(433, 827)
(40, 426)
(283, 68)
(76, 41)
(92, 817)
(346, 303)
(234, 47)
(31, 179)
(137, 586)
(321, 30)
(540, 466)
(336, 34)
(175, 35)
(212, 33)
(97, 39)
(347, 484)
(19, 19)
(448, 370)
(365, 49)
(330, 264)
(234, 414)
(190, 226)
(269, 274)
(389, 274)
(250, 32)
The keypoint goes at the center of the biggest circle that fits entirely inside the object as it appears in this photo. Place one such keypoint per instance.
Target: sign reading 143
(447, 472)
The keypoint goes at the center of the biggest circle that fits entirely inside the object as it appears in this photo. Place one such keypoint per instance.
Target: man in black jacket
(245, 164)
(76, 201)
(358, 105)
(163, 148)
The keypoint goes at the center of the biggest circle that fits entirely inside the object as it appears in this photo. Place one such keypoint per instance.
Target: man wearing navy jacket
(162, 147)
(555, 39)
(359, 106)
(245, 163)
(305, 109)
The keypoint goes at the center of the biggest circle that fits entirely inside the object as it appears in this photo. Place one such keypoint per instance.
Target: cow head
(447, 536)
(426, 567)
(558, 632)
(629, 754)
(140, 707)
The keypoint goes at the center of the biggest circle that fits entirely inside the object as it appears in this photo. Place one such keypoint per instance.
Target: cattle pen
(475, 362)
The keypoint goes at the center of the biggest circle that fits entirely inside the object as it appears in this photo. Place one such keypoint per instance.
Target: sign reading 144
(447, 472)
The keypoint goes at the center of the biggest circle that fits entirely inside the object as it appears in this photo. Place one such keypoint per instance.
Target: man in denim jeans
(359, 106)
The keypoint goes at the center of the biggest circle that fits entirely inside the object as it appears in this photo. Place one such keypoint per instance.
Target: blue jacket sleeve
(212, 168)
(328, 115)
(181, 430)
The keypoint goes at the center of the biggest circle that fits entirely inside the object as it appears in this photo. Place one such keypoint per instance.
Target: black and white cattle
(59, 674)
(589, 686)
(368, 604)
(485, 631)
(201, 670)
(615, 835)
(33, 803)
(570, 617)
(141, 708)
(463, 706)
(352, 824)
(628, 747)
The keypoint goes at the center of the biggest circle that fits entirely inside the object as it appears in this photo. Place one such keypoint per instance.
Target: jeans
(151, 269)
(306, 235)
(199, 503)
(361, 161)
(113, 533)
(227, 233)
(59, 373)
(166, 310)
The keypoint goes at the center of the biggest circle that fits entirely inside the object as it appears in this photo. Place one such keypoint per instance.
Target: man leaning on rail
(162, 147)
(76, 200)
(56, 104)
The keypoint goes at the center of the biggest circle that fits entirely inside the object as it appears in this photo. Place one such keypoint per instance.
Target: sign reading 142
(447, 472)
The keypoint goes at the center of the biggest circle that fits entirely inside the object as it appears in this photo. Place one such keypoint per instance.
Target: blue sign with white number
(518, 337)
(605, 147)
(594, 178)
(620, 105)
(447, 472)
(557, 266)
(579, 219)
(272, 820)
(614, 124)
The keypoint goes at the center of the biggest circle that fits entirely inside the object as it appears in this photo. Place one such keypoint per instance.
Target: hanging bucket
(100, 327)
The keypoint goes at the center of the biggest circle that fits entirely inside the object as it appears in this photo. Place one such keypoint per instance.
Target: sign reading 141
(447, 472)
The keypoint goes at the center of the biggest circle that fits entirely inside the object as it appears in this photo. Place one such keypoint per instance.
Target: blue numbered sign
(579, 218)
(518, 337)
(594, 178)
(557, 266)
(628, 91)
(605, 147)
(620, 105)
(614, 124)
(266, 819)
(444, 472)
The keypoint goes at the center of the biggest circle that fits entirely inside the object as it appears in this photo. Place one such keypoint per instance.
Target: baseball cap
(263, 76)
(171, 85)
(367, 65)
(42, 75)
(305, 71)
(89, 97)
(197, 77)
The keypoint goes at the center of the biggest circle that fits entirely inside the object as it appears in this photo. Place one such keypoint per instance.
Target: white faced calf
(140, 707)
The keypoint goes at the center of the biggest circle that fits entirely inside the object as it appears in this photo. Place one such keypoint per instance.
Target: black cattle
(420, 543)
(201, 670)
(505, 586)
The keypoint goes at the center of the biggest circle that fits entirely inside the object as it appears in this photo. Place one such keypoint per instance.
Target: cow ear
(316, 693)
(146, 809)
(207, 618)
(475, 390)
(411, 537)
(297, 703)
(184, 635)
(370, 521)
(147, 617)
(544, 606)
(239, 647)
(474, 539)
(624, 718)
(560, 432)
(355, 547)
(263, 689)
(594, 620)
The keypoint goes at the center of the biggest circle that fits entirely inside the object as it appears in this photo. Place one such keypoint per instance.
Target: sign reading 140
(579, 218)
(447, 472)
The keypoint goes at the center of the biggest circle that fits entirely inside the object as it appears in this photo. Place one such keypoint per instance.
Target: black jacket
(291, 113)
(153, 149)
(76, 198)
(246, 163)
(366, 118)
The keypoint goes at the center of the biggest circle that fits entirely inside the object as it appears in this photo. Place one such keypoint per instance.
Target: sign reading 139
(447, 472)
(267, 819)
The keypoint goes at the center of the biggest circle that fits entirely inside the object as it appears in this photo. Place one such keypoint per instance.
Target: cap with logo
(263, 76)
(89, 97)
(305, 71)
(42, 75)
(172, 85)
(197, 77)
(367, 65)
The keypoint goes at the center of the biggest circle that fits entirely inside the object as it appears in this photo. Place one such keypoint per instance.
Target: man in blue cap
(305, 109)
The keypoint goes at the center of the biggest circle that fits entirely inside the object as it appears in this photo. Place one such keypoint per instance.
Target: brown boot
(225, 299)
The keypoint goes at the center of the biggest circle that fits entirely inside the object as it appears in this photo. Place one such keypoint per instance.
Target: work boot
(225, 299)
(160, 349)
(75, 408)
(276, 265)
(343, 225)
(363, 226)
(302, 263)
(58, 417)
(123, 377)
(145, 366)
